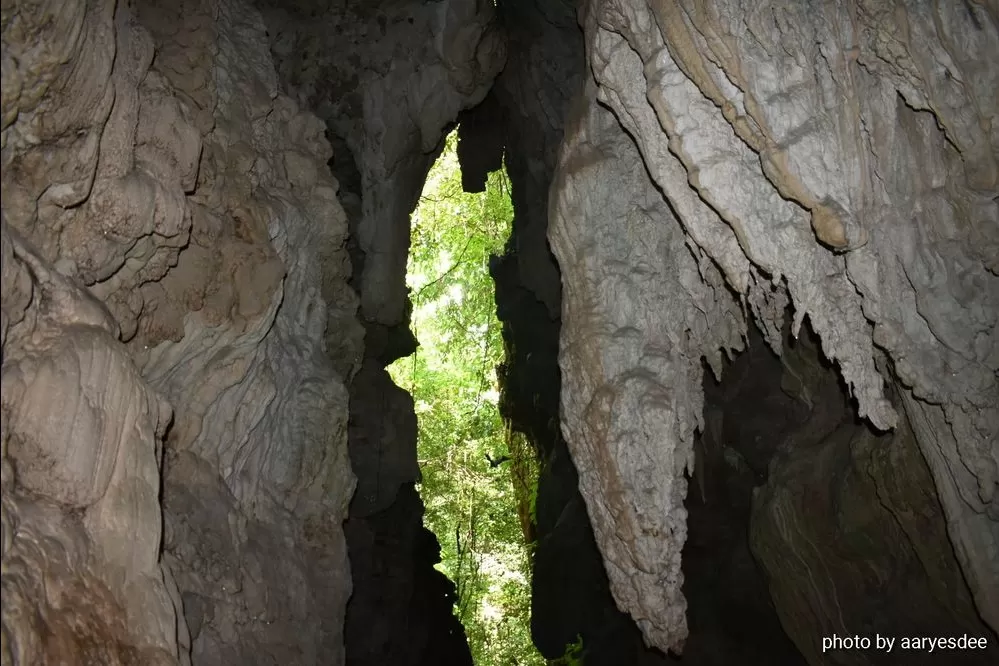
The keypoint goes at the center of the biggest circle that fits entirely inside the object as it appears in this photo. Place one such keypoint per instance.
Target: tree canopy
(464, 445)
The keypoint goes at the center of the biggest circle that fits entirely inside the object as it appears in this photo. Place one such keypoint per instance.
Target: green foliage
(524, 470)
(573, 655)
(464, 447)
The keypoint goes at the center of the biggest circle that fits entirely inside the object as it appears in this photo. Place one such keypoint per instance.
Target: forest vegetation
(477, 476)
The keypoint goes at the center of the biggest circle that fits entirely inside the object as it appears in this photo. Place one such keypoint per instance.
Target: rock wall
(840, 159)
(388, 78)
(166, 193)
(625, 424)
(196, 316)
(81, 522)
(522, 120)
(172, 239)
(749, 422)
(860, 506)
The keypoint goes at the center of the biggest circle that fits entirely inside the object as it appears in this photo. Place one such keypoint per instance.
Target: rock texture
(858, 510)
(629, 431)
(524, 117)
(81, 443)
(204, 234)
(182, 246)
(728, 160)
(387, 78)
(748, 420)
(402, 608)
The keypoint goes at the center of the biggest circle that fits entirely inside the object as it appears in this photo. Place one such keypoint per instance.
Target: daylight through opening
(478, 478)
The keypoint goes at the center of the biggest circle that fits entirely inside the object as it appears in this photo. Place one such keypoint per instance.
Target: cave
(749, 305)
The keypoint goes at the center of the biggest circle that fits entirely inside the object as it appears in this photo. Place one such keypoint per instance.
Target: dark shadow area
(805, 524)
(730, 616)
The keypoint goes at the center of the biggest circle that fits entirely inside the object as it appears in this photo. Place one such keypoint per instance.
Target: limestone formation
(182, 248)
(784, 137)
(387, 78)
(205, 223)
(81, 480)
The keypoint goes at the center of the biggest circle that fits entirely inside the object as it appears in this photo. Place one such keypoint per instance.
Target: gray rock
(840, 160)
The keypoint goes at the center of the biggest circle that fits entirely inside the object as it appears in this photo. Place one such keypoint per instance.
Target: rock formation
(750, 306)
(387, 78)
(175, 237)
(765, 157)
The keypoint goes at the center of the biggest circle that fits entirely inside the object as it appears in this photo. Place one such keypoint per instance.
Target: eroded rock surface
(185, 209)
(858, 511)
(190, 300)
(526, 111)
(628, 429)
(840, 159)
(387, 78)
(80, 515)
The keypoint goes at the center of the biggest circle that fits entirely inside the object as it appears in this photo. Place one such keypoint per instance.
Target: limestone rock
(387, 78)
(402, 610)
(81, 440)
(184, 283)
(526, 114)
(634, 330)
(382, 419)
(839, 158)
(269, 412)
(187, 211)
(871, 553)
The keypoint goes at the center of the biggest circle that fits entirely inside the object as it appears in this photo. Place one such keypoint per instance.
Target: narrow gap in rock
(478, 478)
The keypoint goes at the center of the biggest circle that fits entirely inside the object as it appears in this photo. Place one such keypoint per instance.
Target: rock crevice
(750, 306)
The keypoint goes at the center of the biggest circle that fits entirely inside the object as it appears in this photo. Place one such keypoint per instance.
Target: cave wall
(840, 159)
(846, 534)
(751, 418)
(859, 505)
(204, 235)
(173, 253)
(387, 78)
(523, 120)
(182, 274)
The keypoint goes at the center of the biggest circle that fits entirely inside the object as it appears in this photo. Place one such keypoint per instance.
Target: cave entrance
(475, 473)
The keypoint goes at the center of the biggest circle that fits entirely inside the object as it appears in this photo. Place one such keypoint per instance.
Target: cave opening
(205, 461)
(477, 476)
